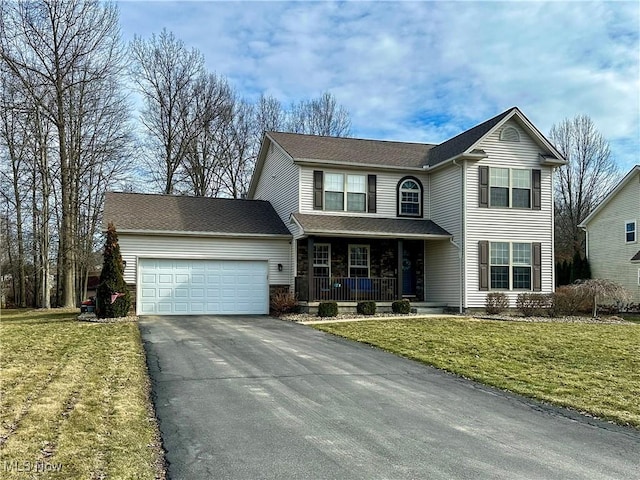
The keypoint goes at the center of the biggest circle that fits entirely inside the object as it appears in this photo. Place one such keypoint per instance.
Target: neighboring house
(613, 248)
(442, 225)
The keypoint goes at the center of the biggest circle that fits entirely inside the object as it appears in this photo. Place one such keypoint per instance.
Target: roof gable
(466, 142)
(633, 173)
(176, 214)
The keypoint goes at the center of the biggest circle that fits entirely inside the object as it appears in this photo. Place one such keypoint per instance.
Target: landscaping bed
(75, 399)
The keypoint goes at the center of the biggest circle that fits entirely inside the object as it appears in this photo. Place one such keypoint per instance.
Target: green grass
(74, 397)
(588, 367)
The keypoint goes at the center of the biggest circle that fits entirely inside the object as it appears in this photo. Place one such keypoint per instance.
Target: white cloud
(424, 71)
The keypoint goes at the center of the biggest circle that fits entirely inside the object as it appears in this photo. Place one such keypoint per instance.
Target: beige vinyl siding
(386, 191)
(442, 267)
(279, 183)
(609, 254)
(508, 224)
(274, 251)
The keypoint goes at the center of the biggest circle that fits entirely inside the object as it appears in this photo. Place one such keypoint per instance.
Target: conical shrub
(113, 298)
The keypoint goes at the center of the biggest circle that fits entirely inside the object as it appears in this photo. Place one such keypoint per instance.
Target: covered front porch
(357, 269)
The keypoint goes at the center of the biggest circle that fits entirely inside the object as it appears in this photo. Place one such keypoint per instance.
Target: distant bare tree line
(66, 124)
(202, 137)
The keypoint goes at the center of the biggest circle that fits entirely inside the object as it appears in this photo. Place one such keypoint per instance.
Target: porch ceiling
(343, 225)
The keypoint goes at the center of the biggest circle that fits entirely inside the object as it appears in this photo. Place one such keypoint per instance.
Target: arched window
(409, 197)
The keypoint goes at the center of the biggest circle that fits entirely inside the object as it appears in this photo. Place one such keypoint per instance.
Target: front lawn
(588, 367)
(74, 399)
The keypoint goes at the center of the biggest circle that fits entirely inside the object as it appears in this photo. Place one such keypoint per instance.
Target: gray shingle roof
(353, 150)
(347, 225)
(174, 213)
(636, 257)
(460, 143)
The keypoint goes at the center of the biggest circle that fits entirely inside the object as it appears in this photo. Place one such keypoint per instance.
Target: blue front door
(408, 275)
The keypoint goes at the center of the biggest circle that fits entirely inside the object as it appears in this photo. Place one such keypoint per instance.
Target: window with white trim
(510, 187)
(639, 276)
(630, 231)
(410, 194)
(510, 266)
(321, 260)
(335, 186)
(358, 260)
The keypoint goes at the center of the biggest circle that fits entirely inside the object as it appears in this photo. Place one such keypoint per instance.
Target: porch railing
(346, 289)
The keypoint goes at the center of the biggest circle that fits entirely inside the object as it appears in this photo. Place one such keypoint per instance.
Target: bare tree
(583, 182)
(602, 289)
(319, 116)
(210, 115)
(56, 50)
(14, 140)
(165, 72)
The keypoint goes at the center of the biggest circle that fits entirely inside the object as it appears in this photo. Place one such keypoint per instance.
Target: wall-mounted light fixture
(279, 267)
(124, 265)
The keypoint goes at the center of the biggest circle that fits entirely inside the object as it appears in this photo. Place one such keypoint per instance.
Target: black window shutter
(318, 177)
(371, 205)
(537, 266)
(483, 200)
(536, 190)
(483, 263)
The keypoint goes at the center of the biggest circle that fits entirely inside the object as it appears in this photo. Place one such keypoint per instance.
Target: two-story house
(613, 249)
(358, 220)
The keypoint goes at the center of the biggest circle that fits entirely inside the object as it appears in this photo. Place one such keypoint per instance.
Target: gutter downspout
(460, 263)
(462, 226)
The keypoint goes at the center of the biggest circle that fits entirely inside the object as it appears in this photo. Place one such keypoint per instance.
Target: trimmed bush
(328, 309)
(281, 302)
(366, 308)
(569, 300)
(531, 304)
(401, 306)
(496, 302)
(113, 298)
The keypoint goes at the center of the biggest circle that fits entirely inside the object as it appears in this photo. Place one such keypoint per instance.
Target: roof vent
(509, 134)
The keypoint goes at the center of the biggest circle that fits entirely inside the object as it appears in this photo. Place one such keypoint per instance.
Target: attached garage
(191, 287)
(198, 255)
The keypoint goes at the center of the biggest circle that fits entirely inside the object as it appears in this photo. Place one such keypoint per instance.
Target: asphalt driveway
(255, 397)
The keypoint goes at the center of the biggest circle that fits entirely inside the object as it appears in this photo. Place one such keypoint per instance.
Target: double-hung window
(499, 184)
(334, 191)
(355, 187)
(510, 265)
(521, 189)
(510, 187)
(358, 260)
(630, 231)
(321, 260)
(356, 193)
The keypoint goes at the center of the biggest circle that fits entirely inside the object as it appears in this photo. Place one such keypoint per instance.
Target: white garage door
(191, 287)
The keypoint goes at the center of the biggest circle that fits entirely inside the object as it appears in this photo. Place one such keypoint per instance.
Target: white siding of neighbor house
(279, 183)
(508, 224)
(386, 191)
(609, 254)
(442, 264)
(275, 251)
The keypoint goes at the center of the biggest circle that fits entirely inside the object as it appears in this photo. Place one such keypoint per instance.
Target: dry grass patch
(588, 367)
(74, 399)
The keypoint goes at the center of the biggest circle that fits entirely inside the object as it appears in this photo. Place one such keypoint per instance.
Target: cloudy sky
(423, 71)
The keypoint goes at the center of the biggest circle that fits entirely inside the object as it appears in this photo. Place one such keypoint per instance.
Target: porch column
(400, 274)
(310, 268)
